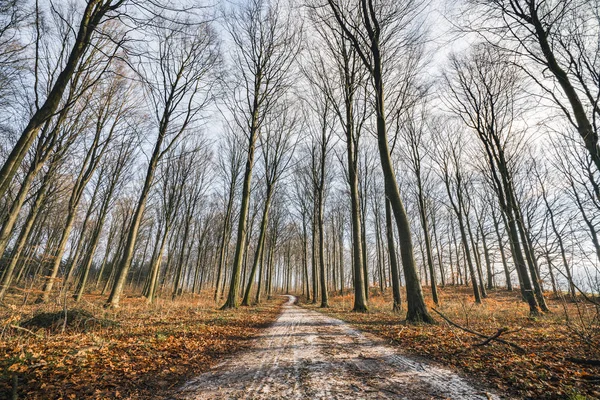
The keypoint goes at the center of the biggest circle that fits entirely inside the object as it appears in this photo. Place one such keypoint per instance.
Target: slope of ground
(550, 367)
(137, 352)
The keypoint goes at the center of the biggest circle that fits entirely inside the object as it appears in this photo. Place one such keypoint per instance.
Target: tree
(13, 16)
(178, 77)
(483, 89)
(414, 136)
(95, 12)
(345, 101)
(554, 36)
(116, 166)
(449, 157)
(230, 165)
(321, 132)
(194, 184)
(277, 148)
(267, 41)
(105, 124)
(370, 30)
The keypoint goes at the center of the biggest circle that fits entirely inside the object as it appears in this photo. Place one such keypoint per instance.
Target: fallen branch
(488, 339)
(26, 330)
(584, 361)
(493, 337)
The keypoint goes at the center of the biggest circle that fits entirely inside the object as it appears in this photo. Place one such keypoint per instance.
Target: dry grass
(543, 371)
(138, 351)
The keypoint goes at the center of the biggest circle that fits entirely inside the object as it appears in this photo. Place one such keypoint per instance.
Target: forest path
(308, 355)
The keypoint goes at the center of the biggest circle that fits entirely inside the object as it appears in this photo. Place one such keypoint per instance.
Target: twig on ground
(26, 330)
(493, 337)
(481, 335)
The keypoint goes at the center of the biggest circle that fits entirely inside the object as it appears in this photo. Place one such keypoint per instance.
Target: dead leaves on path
(149, 351)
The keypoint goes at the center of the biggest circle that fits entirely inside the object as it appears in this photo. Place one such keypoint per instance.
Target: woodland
(425, 170)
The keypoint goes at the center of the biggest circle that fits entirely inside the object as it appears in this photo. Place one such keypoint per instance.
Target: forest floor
(308, 355)
(554, 347)
(138, 351)
(146, 352)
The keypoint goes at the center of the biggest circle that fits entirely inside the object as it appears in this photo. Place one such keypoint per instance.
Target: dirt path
(308, 355)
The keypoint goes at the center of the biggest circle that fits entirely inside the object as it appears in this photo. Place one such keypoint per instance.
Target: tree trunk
(225, 237)
(397, 305)
(258, 255)
(477, 256)
(321, 249)
(26, 230)
(134, 227)
(234, 287)
(509, 286)
(417, 310)
(360, 298)
(427, 237)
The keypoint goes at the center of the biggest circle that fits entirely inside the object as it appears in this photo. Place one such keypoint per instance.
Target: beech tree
(553, 36)
(483, 90)
(345, 100)
(178, 78)
(114, 169)
(230, 166)
(143, 155)
(277, 147)
(414, 136)
(449, 157)
(372, 29)
(266, 42)
(321, 131)
(94, 14)
(107, 120)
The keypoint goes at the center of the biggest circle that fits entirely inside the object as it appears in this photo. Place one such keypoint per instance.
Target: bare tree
(116, 167)
(482, 93)
(449, 157)
(553, 36)
(194, 184)
(344, 97)
(277, 147)
(415, 137)
(108, 117)
(178, 76)
(372, 29)
(230, 165)
(94, 14)
(267, 41)
(321, 131)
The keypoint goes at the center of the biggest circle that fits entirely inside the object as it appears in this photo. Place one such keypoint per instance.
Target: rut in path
(308, 355)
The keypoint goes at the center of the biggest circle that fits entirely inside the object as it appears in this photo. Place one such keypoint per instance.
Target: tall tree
(450, 159)
(277, 148)
(230, 165)
(266, 41)
(178, 75)
(109, 111)
(553, 36)
(372, 29)
(118, 166)
(94, 14)
(342, 84)
(414, 137)
(483, 91)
